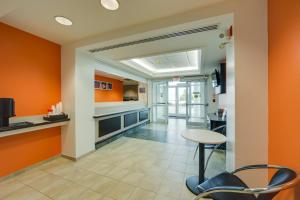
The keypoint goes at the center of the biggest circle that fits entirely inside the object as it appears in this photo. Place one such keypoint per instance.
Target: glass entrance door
(177, 100)
(181, 101)
(184, 99)
(160, 102)
(196, 103)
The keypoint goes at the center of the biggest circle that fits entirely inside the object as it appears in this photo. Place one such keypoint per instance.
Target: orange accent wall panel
(116, 94)
(20, 151)
(284, 87)
(29, 73)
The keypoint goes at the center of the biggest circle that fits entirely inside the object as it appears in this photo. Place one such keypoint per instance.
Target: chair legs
(196, 152)
(209, 156)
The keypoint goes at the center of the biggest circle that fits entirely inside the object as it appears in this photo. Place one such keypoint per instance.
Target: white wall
(68, 100)
(251, 84)
(84, 101)
(78, 135)
(247, 89)
(228, 101)
(78, 71)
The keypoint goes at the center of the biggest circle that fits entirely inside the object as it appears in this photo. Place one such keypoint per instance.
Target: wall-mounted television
(215, 78)
(219, 79)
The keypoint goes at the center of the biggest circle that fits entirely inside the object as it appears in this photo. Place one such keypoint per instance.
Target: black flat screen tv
(215, 78)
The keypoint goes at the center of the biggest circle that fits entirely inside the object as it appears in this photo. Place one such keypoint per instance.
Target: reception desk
(111, 121)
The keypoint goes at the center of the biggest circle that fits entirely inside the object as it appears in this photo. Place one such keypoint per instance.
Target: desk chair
(227, 186)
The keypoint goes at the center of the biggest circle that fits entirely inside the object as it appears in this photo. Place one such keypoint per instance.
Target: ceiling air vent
(156, 38)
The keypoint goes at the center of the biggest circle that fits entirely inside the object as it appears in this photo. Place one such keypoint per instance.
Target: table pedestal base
(192, 183)
(207, 137)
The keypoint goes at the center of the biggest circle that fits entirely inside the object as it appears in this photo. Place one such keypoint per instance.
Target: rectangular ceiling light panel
(167, 63)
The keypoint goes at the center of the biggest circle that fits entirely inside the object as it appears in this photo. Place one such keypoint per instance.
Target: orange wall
(19, 151)
(116, 94)
(29, 73)
(284, 86)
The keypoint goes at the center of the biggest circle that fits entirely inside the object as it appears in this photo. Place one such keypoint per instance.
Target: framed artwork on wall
(97, 84)
(101, 85)
(109, 86)
(142, 90)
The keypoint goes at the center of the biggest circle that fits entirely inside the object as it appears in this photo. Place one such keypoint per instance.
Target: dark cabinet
(130, 119)
(143, 115)
(107, 126)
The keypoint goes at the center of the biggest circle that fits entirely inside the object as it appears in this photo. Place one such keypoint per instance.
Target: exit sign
(176, 79)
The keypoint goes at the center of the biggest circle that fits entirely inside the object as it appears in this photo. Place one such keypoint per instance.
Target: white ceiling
(89, 18)
(157, 53)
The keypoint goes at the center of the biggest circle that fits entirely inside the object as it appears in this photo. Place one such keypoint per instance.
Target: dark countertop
(30, 125)
(122, 112)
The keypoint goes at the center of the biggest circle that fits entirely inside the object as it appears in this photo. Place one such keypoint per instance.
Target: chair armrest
(262, 166)
(219, 127)
(287, 185)
(231, 189)
(243, 190)
(227, 188)
(253, 191)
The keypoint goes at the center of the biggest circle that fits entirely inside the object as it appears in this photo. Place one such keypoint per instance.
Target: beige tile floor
(127, 169)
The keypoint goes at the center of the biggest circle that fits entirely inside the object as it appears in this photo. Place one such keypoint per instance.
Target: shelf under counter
(37, 123)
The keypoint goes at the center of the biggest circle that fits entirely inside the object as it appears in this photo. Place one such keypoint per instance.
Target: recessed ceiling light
(110, 4)
(63, 20)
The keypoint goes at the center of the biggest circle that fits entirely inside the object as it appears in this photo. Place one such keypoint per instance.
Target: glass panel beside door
(160, 102)
(196, 103)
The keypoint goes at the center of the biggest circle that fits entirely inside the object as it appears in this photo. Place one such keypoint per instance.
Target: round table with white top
(201, 137)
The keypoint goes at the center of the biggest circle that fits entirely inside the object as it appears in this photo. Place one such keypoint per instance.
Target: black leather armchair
(228, 186)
